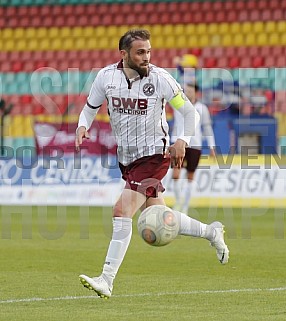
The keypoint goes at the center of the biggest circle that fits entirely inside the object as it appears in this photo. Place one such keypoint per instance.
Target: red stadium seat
(234, 62)
(243, 15)
(269, 61)
(263, 4)
(210, 62)
(150, 7)
(231, 16)
(222, 62)
(257, 62)
(17, 66)
(266, 15)
(281, 61)
(245, 62)
(278, 15)
(254, 15)
(209, 17)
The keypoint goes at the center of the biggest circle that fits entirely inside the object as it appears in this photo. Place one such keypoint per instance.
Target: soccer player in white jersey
(193, 152)
(136, 92)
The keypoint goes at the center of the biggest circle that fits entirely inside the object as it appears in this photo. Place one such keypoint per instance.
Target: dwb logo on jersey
(148, 89)
(131, 106)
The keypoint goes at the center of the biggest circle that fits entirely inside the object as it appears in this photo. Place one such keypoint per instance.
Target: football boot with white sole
(215, 234)
(97, 284)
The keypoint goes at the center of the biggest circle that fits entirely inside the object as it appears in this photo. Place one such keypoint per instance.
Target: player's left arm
(191, 120)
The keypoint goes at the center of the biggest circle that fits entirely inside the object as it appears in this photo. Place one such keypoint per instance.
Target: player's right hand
(80, 133)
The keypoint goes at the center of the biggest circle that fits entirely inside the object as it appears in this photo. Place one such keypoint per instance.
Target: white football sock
(188, 191)
(189, 226)
(121, 236)
(177, 191)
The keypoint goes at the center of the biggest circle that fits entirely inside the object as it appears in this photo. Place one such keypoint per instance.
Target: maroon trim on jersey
(92, 107)
(145, 174)
(120, 64)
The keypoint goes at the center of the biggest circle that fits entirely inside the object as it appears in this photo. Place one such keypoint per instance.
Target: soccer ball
(158, 225)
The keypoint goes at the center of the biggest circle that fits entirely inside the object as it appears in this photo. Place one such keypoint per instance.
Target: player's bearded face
(138, 57)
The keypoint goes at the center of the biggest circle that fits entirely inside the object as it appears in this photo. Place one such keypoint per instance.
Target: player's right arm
(94, 101)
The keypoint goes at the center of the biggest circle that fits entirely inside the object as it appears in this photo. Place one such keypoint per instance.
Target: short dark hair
(131, 35)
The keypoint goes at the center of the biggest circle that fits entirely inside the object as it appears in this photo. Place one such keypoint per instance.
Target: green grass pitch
(43, 250)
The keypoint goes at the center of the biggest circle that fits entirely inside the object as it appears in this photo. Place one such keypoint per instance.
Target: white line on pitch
(142, 294)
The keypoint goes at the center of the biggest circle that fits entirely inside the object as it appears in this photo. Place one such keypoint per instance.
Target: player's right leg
(124, 209)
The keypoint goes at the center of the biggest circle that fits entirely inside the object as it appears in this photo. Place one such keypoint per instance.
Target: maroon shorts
(192, 158)
(145, 174)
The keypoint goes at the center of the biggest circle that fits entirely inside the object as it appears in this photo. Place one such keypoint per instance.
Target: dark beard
(142, 72)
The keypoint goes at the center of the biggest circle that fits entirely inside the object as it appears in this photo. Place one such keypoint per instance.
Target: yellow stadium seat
(100, 31)
(7, 33)
(238, 40)
(9, 45)
(79, 43)
(158, 42)
(270, 26)
(170, 42)
(65, 32)
(246, 27)
(41, 33)
(53, 32)
(179, 30)
(111, 31)
(258, 27)
(19, 33)
(67, 44)
(21, 45)
(28, 126)
(156, 30)
(17, 126)
(223, 28)
(44, 44)
(281, 26)
(167, 30)
(250, 39)
(283, 39)
(234, 28)
(203, 41)
(262, 39)
(102, 43)
(88, 31)
(192, 41)
(113, 42)
(181, 41)
(227, 40)
(201, 29)
(77, 32)
(213, 28)
(33, 44)
(274, 39)
(190, 29)
(57, 44)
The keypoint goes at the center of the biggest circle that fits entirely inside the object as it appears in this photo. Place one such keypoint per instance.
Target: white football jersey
(136, 108)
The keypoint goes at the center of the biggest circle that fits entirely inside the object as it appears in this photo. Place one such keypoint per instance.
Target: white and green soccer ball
(158, 225)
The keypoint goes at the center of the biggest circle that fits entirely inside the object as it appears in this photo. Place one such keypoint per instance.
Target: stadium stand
(47, 49)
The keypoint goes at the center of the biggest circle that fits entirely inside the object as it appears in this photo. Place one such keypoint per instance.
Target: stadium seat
(234, 62)
(210, 62)
(257, 62)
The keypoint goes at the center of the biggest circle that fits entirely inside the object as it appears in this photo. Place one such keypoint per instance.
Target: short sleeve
(169, 86)
(97, 92)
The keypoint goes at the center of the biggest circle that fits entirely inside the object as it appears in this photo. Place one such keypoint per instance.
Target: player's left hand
(177, 153)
